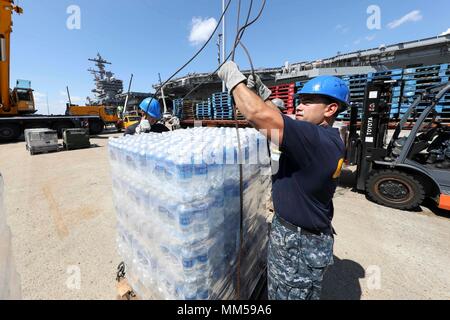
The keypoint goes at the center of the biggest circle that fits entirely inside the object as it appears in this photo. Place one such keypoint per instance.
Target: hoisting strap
(241, 203)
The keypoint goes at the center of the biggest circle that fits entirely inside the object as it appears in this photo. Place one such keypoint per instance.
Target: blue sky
(147, 37)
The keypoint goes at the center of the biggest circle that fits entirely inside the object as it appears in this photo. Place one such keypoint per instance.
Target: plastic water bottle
(177, 201)
(190, 290)
(186, 220)
(189, 263)
(142, 159)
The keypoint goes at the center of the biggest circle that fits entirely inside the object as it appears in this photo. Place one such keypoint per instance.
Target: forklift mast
(374, 127)
(353, 144)
(404, 178)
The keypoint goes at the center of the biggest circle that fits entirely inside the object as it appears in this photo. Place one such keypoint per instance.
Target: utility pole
(224, 88)
(219, 49)
(48, 108)
(162, 93)
(128, 95)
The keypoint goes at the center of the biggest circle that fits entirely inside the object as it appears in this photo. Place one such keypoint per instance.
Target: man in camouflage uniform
(297, 263)
(301, 240)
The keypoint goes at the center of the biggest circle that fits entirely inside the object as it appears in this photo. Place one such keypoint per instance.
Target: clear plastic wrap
(177, 199)
(9, 279)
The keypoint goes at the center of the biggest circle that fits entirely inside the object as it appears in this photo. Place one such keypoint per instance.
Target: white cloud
(77, 100)
(446, 32)
(366, 38)
(201, 30)
(342, 29)
(74, 99)
(413, 16)
(56, 107)
(40, 101)
(41, 105)
(39, 97)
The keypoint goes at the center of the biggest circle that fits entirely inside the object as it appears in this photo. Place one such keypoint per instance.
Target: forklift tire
(395, 189)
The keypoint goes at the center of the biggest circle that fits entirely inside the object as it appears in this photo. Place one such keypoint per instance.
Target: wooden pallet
(125, 291)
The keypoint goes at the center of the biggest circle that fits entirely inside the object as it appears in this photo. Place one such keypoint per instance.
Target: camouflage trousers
(297, 263)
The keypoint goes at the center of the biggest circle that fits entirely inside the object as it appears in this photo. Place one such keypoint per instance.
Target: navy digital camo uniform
(301, 238)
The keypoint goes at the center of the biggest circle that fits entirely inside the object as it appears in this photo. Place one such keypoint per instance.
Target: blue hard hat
(329, 86)
(151, 107)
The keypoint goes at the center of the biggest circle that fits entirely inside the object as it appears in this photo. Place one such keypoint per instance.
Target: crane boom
(17, 108)
(7, 7)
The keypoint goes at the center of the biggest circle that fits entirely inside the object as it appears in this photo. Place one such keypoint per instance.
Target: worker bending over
(302, 237)
(150, 110)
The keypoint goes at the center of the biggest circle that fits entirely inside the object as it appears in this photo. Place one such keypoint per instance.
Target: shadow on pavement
(432, 206)
(341, 281)
(347, 178)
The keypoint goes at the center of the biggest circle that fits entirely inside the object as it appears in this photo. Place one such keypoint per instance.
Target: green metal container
(76, 139)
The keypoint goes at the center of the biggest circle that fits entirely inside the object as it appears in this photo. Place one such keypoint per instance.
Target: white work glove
(258, 86)
(231, 75)
(174, 122)
(143, 127)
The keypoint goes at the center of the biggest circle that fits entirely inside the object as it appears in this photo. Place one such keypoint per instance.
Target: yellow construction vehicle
(19, 100)
(108, 115)
(17, 106)
(129, 120)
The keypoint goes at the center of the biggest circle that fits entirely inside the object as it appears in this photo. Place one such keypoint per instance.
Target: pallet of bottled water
(10, 288)
(177, 199)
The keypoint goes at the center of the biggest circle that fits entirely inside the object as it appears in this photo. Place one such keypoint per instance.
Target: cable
(241, 174)
(202, 48)
(241, 181)
(195, 55)
(240, 156)
(229, 55)
(238, 21)
(248, 24)
(208, 77)
(249, 57)
(241, 32)
(239, 36)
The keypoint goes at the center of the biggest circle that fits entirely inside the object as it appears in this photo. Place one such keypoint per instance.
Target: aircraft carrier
(412, 54)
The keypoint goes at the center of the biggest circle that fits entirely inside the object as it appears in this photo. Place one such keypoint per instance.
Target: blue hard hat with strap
(329, 86)
(151, 107)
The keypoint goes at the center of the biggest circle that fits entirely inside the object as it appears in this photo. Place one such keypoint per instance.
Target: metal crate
(41, 140)
(76, 139)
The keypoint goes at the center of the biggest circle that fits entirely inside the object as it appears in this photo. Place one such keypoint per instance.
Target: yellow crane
(20, 100)
(17, 106)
